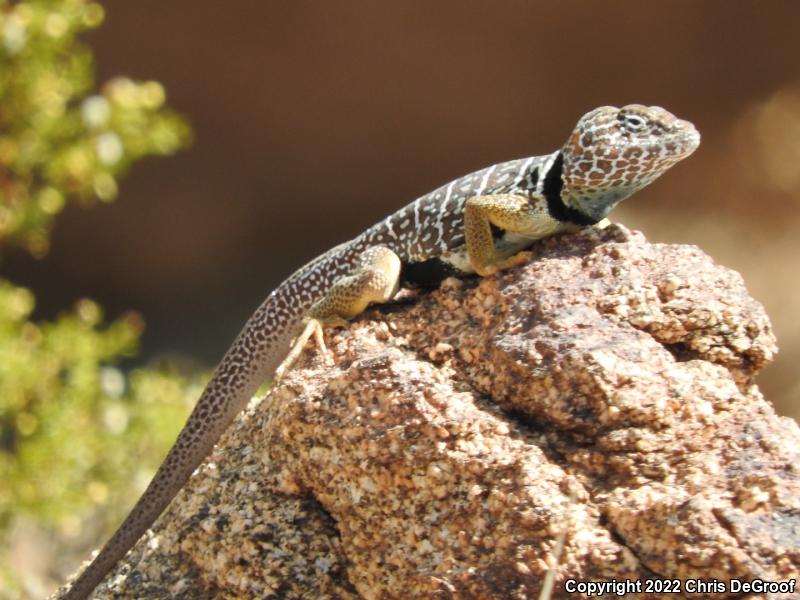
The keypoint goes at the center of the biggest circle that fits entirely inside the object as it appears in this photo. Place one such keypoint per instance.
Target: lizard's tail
(253, 357)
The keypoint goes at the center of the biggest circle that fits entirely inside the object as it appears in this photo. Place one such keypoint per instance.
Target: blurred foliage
(58, 142)
(76, 433)
(78, 436)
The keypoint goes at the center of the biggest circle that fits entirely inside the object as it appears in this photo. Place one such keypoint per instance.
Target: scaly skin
(477, 223)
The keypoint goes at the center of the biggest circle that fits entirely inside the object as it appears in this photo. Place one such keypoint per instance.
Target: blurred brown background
(313, 120)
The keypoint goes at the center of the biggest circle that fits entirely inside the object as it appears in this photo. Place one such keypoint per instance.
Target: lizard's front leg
(375, 279)
(516, 213)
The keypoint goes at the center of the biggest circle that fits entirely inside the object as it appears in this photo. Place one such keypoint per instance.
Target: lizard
(480, 223)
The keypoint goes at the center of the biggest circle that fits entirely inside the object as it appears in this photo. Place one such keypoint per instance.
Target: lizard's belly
(455, 262)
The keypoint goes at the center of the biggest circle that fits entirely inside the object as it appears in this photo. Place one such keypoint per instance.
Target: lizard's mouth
(686, 139)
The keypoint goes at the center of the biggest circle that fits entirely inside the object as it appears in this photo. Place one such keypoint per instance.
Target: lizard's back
(439, 250)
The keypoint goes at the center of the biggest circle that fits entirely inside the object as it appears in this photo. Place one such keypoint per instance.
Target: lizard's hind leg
(375, 279)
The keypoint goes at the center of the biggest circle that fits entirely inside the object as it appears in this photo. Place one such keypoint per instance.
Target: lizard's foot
(520, 258)
(313, 327)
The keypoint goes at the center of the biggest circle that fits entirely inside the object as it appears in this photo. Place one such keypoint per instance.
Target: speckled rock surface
(604, 390)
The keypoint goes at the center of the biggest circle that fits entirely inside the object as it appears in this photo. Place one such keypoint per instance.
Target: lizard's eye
(633, 122)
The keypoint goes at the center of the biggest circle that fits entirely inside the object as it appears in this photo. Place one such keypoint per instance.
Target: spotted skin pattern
(611, 153)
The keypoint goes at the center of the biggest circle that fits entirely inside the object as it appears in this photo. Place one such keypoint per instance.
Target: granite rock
(603, 393)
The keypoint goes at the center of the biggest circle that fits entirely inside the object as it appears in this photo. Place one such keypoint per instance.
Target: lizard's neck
(559, 204)
(571, 200)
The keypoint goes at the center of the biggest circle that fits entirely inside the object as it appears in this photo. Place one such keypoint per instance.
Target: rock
(604, 391)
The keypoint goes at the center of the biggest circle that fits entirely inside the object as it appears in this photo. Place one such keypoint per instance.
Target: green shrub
(79, 436)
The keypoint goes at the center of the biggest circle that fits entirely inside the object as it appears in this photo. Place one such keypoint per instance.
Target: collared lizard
(480, 223)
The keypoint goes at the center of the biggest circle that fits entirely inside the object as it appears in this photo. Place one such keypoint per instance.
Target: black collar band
(551, 188)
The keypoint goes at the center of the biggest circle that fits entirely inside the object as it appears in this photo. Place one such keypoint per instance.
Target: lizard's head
(615, 151)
